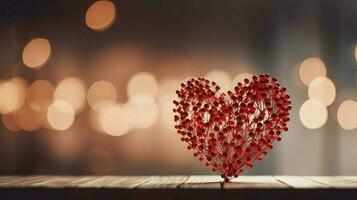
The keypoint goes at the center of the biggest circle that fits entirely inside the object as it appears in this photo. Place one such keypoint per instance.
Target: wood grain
(178, 187)
(24, 181)
(64, 181)
(207, 182)
(300, 182)
(255, 182)
(164, 182)
(115, 181)
(334, 181)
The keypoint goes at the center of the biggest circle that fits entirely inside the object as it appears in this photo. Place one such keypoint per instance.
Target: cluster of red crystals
(230, 131)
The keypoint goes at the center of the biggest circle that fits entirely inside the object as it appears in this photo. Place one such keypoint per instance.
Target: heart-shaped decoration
(231, 131)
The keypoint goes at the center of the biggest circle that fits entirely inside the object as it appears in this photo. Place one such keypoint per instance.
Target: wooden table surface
(178, 187)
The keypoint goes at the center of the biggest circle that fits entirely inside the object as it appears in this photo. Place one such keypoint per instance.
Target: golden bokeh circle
(323, 90)
(313, 114)
(36, 52)
(346, 115)
(311, 68)
(100, 94)
(60, 115)
(100, 15)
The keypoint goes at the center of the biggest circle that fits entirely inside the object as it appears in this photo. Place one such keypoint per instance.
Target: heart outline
(231, 130)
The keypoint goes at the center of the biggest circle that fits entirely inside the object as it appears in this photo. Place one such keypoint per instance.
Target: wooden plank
(115, 181)
(158, 187)
(5, 179)
(16, 179)
(334, 181)
(164, 182)
(254, 182)
(300, 182)
(177, 187)
(25, 180)
(105, 181)
(64, 181)
(200, 187)
(131, 181)
(351, 178)
(203, 182)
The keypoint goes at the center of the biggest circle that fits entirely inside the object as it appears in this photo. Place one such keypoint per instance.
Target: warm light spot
(9, 122)
(322, 89)
(115, 121)
(342, 95)
(241, 77)
(100, 15)
(40, 95)
(93, 118)
(346, 115)
(72, 90)
(28, 119)
(221, 78)
(313, 114)
(60, 115)
(22, 85)
(166, 106)
(9, 97)
(166, 94)
(36, 52)
(143, 111)
(168, 85)
(12, 93)
(311, 68)
(100, 94)
(142, 83)
(95, 115)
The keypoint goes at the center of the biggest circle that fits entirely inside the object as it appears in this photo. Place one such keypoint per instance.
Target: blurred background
(87, 86)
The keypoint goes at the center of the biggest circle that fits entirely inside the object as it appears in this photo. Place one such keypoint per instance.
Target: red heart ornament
(231, 131)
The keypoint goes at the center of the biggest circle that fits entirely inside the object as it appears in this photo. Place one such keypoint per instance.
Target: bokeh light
(168, 85)
(313, 114)
(72, 90)
(36, 52)
(311, 68)
(100, 94)
(29, 119)
(240, 78)
(60, 115)
(95, 116)
(115, 121)
(10, 97)
(167, 89)
(346, 115)
(12, 93)
(22, 85)
(100, 15)
(40, 95)
(221, 78)
(142, 83)
(9, 122)
(94, 122)
(143, 111)
(166, 107)
(342, 95)
(322, 89)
